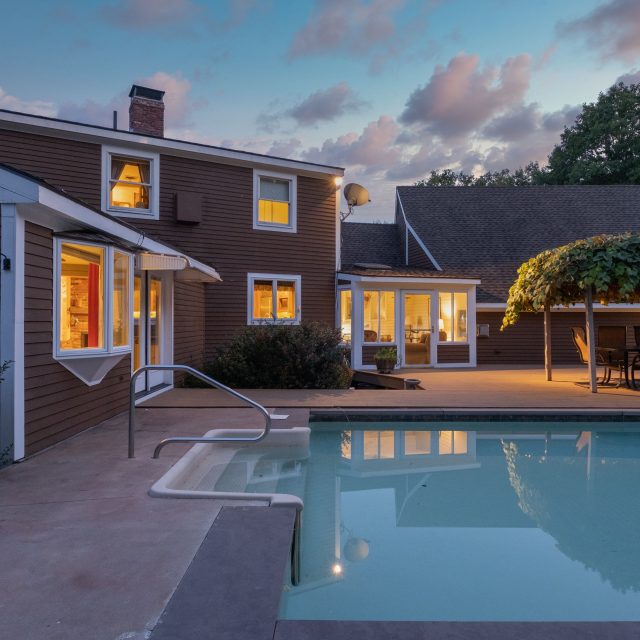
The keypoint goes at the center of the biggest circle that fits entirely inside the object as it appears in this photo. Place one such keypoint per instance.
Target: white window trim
(292, 227)
(108, 348)
(457, 342)
(154, 171)
(394, 342)
(340, 289)
(274, 277)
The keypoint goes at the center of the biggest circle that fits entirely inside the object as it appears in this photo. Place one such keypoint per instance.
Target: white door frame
(433, 322)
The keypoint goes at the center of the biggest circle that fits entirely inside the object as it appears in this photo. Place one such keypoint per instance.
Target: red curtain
(94, 305)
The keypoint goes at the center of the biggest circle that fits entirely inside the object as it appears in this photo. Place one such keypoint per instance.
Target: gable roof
(491, 231)
(366, 242)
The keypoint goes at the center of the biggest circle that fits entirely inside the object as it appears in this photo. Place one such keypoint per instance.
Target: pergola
(605, 268)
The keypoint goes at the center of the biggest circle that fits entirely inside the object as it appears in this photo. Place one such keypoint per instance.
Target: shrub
(306, 356)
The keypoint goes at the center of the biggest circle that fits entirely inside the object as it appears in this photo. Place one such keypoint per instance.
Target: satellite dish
(356, 195)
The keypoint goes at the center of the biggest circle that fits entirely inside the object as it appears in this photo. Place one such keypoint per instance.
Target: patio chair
(602, 354)
(614, 339)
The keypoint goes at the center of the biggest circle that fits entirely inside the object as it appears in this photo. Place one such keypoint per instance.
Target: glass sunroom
(430, 320)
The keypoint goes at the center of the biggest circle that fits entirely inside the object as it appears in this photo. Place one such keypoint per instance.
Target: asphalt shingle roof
(372, 243)
(490, 231)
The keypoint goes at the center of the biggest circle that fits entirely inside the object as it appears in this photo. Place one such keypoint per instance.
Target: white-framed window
(130, 182)
(274, 201)
(379, 316)
(453, 319)
(93, 299)
(273, 299)
(345, 314)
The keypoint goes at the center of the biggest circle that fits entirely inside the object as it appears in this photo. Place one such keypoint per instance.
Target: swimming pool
(466, 522)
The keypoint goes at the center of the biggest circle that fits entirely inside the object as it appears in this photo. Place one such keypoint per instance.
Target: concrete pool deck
(482, 388)
(86, 553)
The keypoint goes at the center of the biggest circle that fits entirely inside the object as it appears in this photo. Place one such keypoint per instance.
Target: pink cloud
(37, 107)
(462, 97)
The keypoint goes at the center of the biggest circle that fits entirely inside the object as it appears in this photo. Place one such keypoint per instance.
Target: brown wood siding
(368, 353)
(417, 257)
(453, 354)
(524, 342)
(69, 164)
(226, 239)
(57, 404)
(188, 325)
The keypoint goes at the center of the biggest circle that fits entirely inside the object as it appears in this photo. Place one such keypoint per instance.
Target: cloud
(284, 148)
(462, 97)
(178, 104)
(345, 25)
(633, 77)
(36, 107)
(613, 28)
(134, 15)
(373, 150)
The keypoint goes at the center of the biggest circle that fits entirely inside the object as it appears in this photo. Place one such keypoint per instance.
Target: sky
(388, 89)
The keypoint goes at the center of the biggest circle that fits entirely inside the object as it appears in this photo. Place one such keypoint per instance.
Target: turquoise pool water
(501, 521)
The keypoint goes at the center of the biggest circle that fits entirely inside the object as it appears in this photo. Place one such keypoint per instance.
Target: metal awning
(186, 268)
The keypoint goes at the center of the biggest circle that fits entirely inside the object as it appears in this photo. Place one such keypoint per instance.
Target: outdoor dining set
(613, 353)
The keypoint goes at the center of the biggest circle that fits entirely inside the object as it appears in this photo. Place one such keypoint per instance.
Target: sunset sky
(389, 89)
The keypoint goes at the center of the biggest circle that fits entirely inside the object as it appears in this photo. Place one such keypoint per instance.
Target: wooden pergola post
(591, 339)
(547, 340)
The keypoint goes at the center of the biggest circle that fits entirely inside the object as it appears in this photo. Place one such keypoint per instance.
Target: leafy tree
(603, 145)
(531, 174)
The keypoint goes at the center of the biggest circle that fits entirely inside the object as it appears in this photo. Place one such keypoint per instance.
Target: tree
(531, 174)
(603, 145)
(605, 268)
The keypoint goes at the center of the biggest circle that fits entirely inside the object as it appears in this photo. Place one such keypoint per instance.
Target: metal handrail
(204, 378)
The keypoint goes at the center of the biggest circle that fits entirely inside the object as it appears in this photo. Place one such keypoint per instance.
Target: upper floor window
(274, 299)
(275, 201)
(93, 299)
(130, 183)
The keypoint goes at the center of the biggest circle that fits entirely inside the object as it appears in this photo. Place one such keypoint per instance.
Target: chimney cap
(146, 92)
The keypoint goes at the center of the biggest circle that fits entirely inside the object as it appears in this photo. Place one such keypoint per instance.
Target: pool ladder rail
(182, 439)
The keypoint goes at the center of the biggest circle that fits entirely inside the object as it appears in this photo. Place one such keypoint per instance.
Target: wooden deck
(482, 388)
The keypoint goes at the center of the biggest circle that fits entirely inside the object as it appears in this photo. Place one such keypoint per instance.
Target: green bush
(306, 356)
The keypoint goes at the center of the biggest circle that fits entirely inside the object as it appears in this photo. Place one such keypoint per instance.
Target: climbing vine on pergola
(605, 268)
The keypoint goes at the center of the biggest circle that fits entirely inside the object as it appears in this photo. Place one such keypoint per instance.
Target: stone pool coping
(233, 586)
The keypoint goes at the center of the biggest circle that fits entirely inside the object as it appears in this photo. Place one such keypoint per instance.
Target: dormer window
(130, 184)
(274, 201)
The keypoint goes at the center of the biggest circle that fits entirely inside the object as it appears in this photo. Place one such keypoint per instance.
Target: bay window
(93, 299)
(379, 320)
(274, 201)
(273, 298)
(453, 317)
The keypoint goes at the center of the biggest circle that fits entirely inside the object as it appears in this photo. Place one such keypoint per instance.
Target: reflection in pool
(459, 524)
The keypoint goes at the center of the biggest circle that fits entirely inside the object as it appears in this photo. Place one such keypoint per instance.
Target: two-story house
(123, 247)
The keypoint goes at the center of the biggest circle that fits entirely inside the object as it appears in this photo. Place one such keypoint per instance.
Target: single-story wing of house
(435, 282)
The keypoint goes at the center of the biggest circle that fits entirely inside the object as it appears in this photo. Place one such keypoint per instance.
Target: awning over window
(186, 268)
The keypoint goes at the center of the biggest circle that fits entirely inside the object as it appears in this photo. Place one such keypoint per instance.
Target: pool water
(468, 522)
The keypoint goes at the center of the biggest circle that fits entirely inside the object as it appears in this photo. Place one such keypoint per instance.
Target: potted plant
(386, 359)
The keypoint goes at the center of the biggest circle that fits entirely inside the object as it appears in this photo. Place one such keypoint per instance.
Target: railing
(179, 439)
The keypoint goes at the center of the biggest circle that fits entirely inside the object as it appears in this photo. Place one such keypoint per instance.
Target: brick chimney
(146, 111)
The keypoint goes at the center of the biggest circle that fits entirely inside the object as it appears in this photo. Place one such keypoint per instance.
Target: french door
(418, 342)
(150, 315)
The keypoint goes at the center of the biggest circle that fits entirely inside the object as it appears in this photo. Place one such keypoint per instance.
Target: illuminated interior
(417, 328)
(452, 442)
(81, 297)
(378, 445)
(379, 316)
(130, 183)
(155, 302)
(274, 201)
(417, 443)
(453, 317)
(345, 314)
(137, 285)
(270, 294)
(121, 273)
